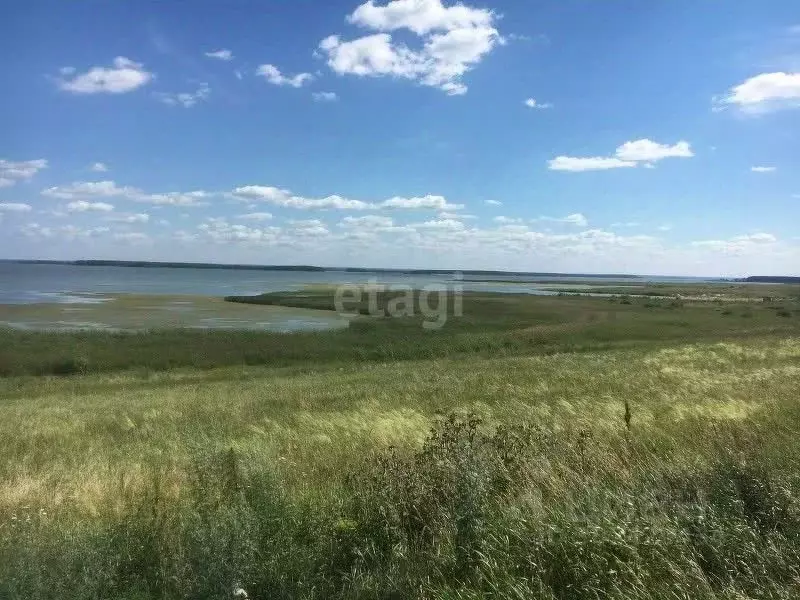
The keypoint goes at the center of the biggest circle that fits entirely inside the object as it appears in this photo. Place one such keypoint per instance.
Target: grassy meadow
(538, 447)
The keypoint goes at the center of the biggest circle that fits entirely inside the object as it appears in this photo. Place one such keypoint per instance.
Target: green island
(636, 446)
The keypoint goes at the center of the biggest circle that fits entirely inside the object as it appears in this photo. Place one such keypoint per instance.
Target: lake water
(45, 283)
(68, 297)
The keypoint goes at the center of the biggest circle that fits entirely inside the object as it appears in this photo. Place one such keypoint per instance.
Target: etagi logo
(435, 302)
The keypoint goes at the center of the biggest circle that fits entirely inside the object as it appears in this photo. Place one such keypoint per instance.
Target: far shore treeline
(311, 268)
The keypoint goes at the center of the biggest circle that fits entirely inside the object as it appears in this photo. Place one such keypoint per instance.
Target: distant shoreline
(312, 268)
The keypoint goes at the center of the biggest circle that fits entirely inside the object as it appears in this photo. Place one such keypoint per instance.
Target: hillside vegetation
(554, 448)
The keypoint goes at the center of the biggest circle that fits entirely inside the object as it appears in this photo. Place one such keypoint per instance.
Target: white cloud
(88, 189)
(223, 54)
(626, 224)
(131, 237)
(665, 227)
(596, 163)
(84, 206)
(446, 224)
(325, 96)
(493, 203)
(453, 40)
(533, 103)
(428, 202)
(501, 220)
(99, 167)
(650, 151)
(220, 231)
(256, 216)
(367, 222)
(420, 16)
(285, 198)
(453, 215)
(742, 244)
(764, 92)
(67, 232)
(629, 154)
(109, 189)
(763, 169)
(13, 171)
(130, 218)
(185, 99)
(123, 76)
(16, 207)
(574, 219)
(194, 198)
(308, 228)
(273, 75)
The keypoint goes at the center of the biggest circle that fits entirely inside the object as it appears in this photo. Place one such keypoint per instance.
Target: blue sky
(556, 135)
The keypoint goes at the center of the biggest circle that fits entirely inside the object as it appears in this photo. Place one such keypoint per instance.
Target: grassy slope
(183, 482)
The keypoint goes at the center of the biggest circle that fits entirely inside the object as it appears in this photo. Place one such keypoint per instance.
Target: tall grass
(639, 473)
(509, 512)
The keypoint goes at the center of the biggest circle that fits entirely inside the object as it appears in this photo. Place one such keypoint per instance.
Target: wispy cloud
(223, 54)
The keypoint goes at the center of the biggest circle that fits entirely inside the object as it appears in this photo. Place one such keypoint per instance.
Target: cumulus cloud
(15, 207)
(220, 231)
(428, 202)
(130, 218)
(273, 75)
(576, 219)
(256, 216)
(650, 151)
(308, 228)
(441, 224)
(324, 96)
(123, 76)
(628, 155)
(185, 99)
(451, 41)
(502, 220)
(367, 222)
(83, 189)
(223, 54)
(742, 244)
(195, 198)
(131, 237)
(84, 206)
(67, 232)
(284, 198)
(595, 163)
(493, 203)
(454, 215)
(625, 224)
(13, 171)
(762, 93)
(109, 189)
(99, 167)
(533, 103)
(763, 169)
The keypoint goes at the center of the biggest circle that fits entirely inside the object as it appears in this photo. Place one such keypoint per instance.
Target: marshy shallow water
(125, 312)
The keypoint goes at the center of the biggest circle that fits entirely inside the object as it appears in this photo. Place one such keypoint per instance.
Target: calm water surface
(68, 297)
(25, 284)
